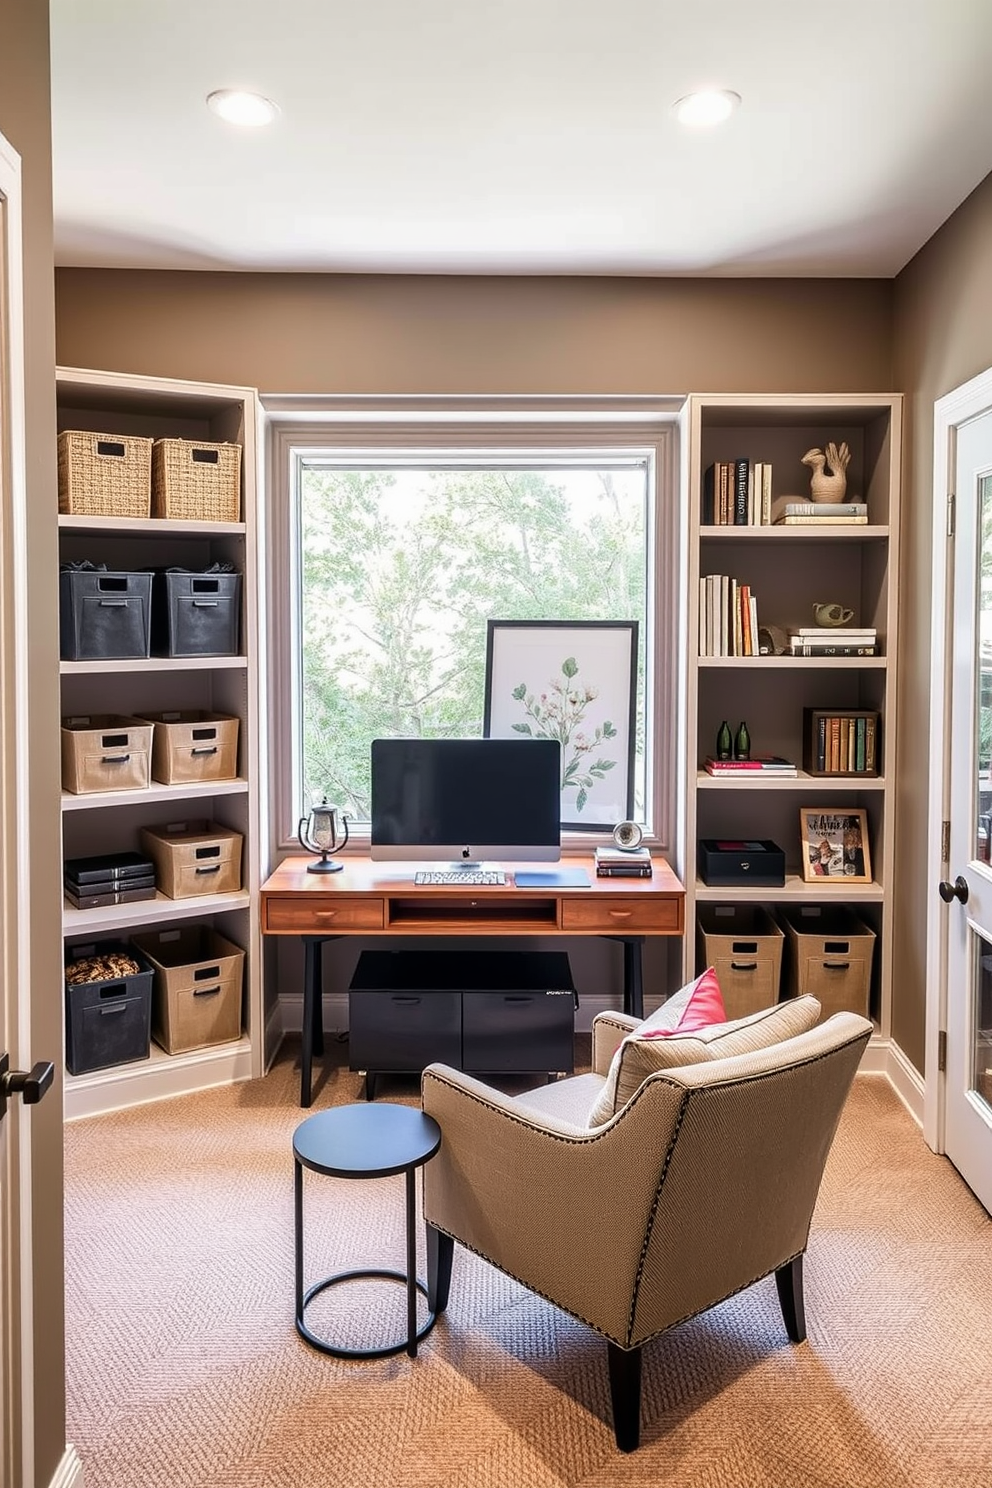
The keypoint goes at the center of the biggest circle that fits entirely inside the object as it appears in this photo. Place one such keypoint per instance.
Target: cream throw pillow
(640, 1054)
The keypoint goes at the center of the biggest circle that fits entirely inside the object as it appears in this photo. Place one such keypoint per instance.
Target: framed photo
(575, 681)
(835, 845)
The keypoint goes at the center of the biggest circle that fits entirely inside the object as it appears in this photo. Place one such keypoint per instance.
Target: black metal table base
(339, 1351)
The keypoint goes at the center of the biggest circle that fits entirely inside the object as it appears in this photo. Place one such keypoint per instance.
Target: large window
(403, 545)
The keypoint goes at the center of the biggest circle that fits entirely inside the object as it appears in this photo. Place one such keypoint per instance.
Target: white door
(967, 887)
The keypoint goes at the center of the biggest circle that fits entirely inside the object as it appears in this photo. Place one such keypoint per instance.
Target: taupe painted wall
(367, 334)
(24, 121)
(943, 337)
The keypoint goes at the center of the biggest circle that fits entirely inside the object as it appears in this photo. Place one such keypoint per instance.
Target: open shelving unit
(108, 821)
(789, 569)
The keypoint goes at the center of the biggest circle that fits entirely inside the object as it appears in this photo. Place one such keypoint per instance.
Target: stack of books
(759, 765)
(623, 862)
(843, 513)
(823, 640)
(110, 878)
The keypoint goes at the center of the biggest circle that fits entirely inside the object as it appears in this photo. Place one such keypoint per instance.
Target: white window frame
(327, 424)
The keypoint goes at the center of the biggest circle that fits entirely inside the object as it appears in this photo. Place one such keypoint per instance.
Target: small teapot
(832, 614)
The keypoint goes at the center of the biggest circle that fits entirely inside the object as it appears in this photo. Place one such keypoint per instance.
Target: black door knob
(30, 1087)
(956, 890)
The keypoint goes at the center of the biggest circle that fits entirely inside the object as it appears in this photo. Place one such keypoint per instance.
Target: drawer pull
(406, 1001)
(206, 991)
(213, 868)
(114, 759)
(207, 749)
(620, 914)
(836, 965)
(325, 914)
(743, 965)
(113, 1007)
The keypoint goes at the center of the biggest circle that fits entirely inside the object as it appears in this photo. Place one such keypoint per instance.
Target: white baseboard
(883, 1057)
(69, 1473)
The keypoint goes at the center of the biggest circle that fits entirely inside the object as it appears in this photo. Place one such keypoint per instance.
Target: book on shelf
(758, 764)
(845, 509)
(821, 522)
(835, 632)
(841, 743)
(728, 617)
(737, 493)
(799, 647)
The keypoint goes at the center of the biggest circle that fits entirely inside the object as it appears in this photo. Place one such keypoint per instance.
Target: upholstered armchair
(699, 1181)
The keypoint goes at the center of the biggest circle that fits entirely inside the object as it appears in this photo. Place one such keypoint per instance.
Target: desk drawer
(600, 915)
(309, 915)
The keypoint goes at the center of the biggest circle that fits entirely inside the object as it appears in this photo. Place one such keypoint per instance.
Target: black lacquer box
(736, 862)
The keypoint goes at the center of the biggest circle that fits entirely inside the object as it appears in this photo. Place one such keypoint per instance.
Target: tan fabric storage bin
(196, 994)
(743, 944)
(194, 857)
(104, 475)
(192, 744)
(105, 751)
(196, 482)
(828, 954)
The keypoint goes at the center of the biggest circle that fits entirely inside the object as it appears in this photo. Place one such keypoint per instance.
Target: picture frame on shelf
(835, 845)
(575, 681)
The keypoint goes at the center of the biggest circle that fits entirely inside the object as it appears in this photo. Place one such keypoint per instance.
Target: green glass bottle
(742, 743)
(724, 742)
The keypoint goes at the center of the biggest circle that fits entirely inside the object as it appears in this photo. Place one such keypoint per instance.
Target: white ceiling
(517, 136)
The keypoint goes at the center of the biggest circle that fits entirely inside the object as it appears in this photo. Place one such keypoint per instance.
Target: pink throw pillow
(703, 1008)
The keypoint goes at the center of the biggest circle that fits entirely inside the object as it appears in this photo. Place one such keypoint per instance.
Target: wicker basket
(196, 482)
(104, 475)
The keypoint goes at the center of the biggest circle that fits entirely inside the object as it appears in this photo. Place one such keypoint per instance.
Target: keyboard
(471, 876)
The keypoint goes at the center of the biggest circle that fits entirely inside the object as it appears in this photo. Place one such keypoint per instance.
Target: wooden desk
(381, 899)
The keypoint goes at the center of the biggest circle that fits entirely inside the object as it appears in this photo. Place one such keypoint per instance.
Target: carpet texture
(185, 1370)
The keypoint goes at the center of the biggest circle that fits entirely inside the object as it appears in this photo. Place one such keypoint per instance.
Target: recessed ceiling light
(242, 108)
(711, 106)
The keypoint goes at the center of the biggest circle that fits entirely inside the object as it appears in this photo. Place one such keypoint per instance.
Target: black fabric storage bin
(108, 1022)
(104, 615)
(196, 614)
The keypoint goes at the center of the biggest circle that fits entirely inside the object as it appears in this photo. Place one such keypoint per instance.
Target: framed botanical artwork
(835, 845)
(574, 681)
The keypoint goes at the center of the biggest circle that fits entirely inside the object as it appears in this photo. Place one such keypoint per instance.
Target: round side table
(365, 1141)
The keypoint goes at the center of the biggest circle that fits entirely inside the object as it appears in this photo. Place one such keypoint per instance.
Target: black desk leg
(313, 1012)
(411, 1262)
(633, 976)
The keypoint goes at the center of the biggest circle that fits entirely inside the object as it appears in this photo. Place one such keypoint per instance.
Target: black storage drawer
(499, 1011)
(519, 1032)
(404, 1030)
(103, 615)
(196, 614)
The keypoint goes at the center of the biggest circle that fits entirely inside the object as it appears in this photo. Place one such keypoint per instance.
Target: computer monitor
(466, 800)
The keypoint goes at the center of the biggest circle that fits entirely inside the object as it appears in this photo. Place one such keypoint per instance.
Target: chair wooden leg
(789, 1280)
(440, 1253)
(625, 1395)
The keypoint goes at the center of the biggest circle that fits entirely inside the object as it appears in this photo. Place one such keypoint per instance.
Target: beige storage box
(193, 745)
(743, 944)
(104, 752)
(828, 954)
(196, 994)
(194, 857)
(104, 475)
(196, 482)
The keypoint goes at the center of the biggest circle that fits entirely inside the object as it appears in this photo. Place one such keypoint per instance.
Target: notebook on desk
(552, 878)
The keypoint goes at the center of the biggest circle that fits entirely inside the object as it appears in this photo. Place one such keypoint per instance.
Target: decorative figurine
(828, 482)
(832, 614)
(724, 742)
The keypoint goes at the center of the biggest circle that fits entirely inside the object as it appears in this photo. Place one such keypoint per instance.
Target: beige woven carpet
(184, 1367)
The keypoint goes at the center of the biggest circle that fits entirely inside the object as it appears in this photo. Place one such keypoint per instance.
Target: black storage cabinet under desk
(499, 1012)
